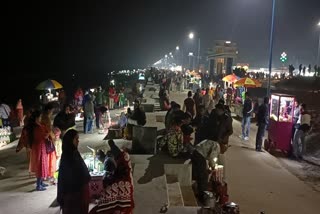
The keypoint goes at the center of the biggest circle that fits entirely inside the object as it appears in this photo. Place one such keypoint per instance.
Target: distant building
(221, 57)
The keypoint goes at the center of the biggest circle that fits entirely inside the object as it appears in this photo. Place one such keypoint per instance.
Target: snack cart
(280, 123)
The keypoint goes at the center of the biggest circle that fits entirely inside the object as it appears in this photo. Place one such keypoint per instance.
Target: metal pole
(271, 47)
(199, 53)
(318, 62)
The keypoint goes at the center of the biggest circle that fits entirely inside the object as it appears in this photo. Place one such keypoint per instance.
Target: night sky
(91, 38)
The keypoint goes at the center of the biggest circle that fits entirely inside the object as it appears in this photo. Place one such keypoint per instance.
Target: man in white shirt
(4, 114)
(304, 123)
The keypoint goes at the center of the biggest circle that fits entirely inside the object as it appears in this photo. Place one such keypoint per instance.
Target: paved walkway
(256, 181)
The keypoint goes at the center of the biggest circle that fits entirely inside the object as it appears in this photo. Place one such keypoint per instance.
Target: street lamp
(271, 47)
(318, 62)
(191, 36)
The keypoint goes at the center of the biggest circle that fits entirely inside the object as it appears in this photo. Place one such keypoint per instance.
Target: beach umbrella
(230, 78)
(49, 84)
(248, 83)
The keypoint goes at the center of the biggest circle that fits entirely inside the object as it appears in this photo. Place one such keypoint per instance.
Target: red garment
(111, 92)
(38, 156)
(118, 197)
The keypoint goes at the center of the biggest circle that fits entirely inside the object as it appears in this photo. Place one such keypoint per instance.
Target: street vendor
(117, 196)
(207, 150)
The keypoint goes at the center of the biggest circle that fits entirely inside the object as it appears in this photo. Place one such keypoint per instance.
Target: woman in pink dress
(38, 135)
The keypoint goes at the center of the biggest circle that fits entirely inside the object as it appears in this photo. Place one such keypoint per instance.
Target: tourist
(138, 118)
(296, 115)
(65, 119)
(201, 124)
(304, 123)
(220, 123)
(207, 99)
(38, 135)
(74, 177)
(197, 97)
(246, 117)
(173, 140)
(170, 113)
(19, 110)
(263, 120)
(89, 114)
(5, 114)
(52, 157)
(189, 105)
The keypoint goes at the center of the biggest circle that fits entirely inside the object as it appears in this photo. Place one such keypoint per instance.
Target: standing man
(263, 120)
(246, 117)
(296, 115)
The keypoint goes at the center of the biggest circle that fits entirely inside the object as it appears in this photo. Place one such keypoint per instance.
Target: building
(221, 57)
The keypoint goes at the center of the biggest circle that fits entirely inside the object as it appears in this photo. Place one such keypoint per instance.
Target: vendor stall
(96, 171)
(280, 123)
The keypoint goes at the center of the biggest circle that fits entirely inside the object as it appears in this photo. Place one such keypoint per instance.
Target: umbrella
(248, 83)
(49, 84)
(230, 78)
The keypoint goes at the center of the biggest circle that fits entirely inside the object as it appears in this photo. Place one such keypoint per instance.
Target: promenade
(256, 181)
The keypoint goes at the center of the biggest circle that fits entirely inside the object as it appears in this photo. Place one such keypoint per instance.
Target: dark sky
(90, 38)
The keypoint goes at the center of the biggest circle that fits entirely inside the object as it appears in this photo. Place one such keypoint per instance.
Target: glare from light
(177, 48)
(166, 56)
(319, 24)
(228, 42)
(170, 53)
(190, 54)
(191, 35)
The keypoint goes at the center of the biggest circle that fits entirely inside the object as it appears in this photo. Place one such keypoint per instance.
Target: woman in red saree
(117, 196)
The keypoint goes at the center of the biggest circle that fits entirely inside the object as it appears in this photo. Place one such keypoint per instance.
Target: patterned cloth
(173, 140)
(118, 196)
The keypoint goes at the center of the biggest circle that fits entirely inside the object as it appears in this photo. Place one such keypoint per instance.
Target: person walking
(263, 120)
(38, 135)
(246, 117)
(189, 105)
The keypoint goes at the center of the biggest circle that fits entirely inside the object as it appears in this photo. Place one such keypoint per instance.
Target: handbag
(49, 146)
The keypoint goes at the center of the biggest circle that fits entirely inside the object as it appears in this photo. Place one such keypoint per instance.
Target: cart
(280, 123)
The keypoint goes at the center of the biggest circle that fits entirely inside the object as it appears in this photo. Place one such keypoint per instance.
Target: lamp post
(191, 36)
(271, 47)
(318, 62)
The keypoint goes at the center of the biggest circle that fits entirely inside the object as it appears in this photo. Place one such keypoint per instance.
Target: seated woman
(173, 140)
(117, 196)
